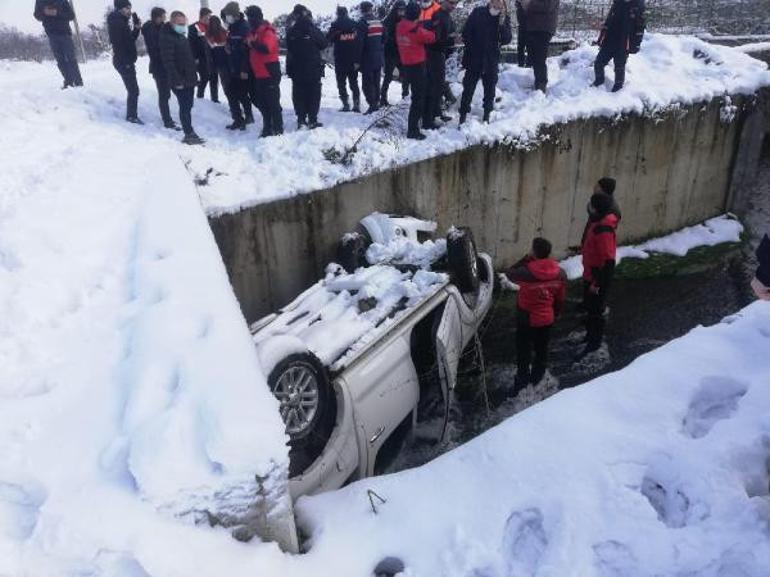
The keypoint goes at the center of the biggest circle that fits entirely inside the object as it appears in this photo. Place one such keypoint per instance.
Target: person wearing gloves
(411, 38)
(181, 71)
(123, 28)
(761, 282)
(56, 16)
(344, 36)
(486, 30)
(305, 66)
(240, 68)
(263, 57)
(620, 36)
(541, 17)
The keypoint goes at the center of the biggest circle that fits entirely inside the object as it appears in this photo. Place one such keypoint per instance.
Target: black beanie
(120, 4)
(607, 184)
(601, 203)
(412, 11)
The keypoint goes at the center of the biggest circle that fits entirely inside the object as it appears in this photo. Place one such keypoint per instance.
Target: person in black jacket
(123, 28)
(238, 59)
(761, 282)
(372, 55)
(442, 26)
(151, 35)
(392, 60)
(182, 73)
(55, 16)
(487, 28)
(207, 75)
(343, 34)
(620, 36)
(521, 36)
(304, 42)
(541, 17)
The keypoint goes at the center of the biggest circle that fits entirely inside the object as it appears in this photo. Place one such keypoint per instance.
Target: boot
(249, 118)
(237, 125)
(356, 105)
(620, 79)
(170, 124)
(541, 86)
(486, 116)
(463, 118)
(192, 139)
(598, 75)
(345, 106)
(415, 135)
(134, 120)
(313, 124)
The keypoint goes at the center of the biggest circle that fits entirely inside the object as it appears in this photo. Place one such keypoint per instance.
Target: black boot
(598, 75)
(237, 125)
(486, 116)
(356, 105)
(345, 106)
(463, 118)
(415, 135)
(620, 79)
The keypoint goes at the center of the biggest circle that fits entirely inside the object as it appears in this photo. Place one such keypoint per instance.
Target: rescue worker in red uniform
(263, 58)
(599, 248)
(542, 291)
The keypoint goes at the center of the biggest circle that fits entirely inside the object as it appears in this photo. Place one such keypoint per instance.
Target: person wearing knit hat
(123, 28)
(598, 249)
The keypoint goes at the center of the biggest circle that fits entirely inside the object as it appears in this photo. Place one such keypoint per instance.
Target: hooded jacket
(59, 24)
(264, 51)
(542, 290)
(411, 38)
(599, 249)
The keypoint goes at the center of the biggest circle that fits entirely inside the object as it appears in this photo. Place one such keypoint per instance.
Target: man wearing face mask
(263, 56)
(123, 28)
(486, 30)
(238, 31)
(541, 17)
(182, 73)
(151, 35)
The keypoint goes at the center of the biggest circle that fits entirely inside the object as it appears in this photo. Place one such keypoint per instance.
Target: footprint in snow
(615, 559)
(716, 399)
(524, 542)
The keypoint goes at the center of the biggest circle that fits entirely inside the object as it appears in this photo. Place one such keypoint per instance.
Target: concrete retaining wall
(672, 171)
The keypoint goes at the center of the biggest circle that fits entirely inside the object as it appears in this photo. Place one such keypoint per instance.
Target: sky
(18, 13)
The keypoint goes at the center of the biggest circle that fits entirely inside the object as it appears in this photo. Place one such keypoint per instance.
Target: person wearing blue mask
(181, 70)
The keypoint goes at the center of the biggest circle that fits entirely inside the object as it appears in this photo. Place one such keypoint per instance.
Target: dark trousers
(618, 55)
(207, 76)
(370, 83)
(164, 95)
(531, 340)
(186, 98)
(416, 76)
(63, 49)
(266, 95)
(471, 79)
(128, 74)
(391, 63)
(537, 50)
(436, 67)
(237, 93)
(347, 77)
(306, 97)
(594, 305)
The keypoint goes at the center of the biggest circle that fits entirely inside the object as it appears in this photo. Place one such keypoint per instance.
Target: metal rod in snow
(77, 32)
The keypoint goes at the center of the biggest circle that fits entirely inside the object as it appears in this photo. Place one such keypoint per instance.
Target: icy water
(645, 313)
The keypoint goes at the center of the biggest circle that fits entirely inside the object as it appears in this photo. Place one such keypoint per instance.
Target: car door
(449, 344)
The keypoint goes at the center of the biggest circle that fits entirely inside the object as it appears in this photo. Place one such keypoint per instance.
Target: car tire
(351, 250)
(463, 260)
(307, 406)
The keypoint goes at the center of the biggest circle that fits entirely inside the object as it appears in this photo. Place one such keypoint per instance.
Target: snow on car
(351, 357)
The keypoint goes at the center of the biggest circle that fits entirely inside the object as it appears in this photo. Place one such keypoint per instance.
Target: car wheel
(463, 260)
(351, 251)
(307, 407)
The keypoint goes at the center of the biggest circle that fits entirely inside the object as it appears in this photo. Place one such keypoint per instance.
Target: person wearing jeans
(56, 16)
(123, 28)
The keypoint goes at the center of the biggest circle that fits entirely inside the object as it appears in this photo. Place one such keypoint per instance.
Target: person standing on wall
(442, 26)
(207, 75)
(486, 30)
(372, 55)
(541, 19)
(411, 39)
(123, 27)
(344, 36)
(521, 36)
(599, 247)
(265, 65)
(179, 63)
(392, 60)
(151, 34)
(541, 296)
(304, 42)
(238, 62)
(620, 36)
(56, 16)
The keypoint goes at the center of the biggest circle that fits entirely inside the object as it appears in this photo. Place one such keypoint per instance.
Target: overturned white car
(351, 357)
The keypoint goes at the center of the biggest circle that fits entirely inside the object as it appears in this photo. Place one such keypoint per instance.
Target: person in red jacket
(542, 291)
(411, 38)
(263, 57)
(598, 249)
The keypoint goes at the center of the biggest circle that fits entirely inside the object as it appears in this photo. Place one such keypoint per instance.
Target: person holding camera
(123, 27)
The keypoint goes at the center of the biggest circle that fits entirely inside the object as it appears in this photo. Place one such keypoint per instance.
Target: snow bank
(660, 470)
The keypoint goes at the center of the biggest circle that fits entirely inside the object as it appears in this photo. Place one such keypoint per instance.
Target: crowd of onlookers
(239, 51)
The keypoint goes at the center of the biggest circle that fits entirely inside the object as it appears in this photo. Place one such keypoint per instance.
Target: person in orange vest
(427, 9)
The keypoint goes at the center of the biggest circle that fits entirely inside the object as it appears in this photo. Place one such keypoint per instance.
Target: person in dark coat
(412, 37)
(216, 39)
(486, 30)
(521, 36)
(344, 36)
(621, 35)
(123, 28)
(207, 75)
(372, 55)
(598, 248)
(541, 17)
(442, 26)
(392, 60)
(540, 300)
(305, 67)
(238, 60)
(56, 16)
(266, 68)
(181, 71)
(761, 282)
(151, 34)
